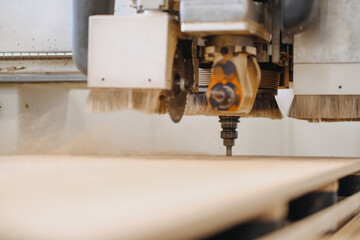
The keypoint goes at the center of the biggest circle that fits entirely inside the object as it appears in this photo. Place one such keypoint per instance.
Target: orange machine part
(224, 82)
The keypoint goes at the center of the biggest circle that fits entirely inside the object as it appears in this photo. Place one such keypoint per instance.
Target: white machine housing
(327, 55)
(118, 57)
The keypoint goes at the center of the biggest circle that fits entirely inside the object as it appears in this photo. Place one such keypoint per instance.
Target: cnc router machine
(226, 58)
(223, 58)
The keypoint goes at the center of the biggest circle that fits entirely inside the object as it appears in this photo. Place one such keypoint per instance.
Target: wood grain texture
(350, 230)
(149, 197)
(318, 224)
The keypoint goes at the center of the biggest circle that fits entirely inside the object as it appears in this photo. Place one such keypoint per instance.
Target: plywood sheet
(149, 197)
(351, 230)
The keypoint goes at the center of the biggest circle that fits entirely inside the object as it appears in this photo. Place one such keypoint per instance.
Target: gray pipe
(82, 9)
(296, 15)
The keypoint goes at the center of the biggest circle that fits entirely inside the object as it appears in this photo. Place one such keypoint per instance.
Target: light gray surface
(214, 10)
(37, 29)
(327, 79)
(41, 25)
(151, 4)
(131, 51)
(214, 17)
(333, 37)
(36, 25)
(72, 77)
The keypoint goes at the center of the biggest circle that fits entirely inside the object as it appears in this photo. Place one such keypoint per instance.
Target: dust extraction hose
(82, 9)
(297, 14)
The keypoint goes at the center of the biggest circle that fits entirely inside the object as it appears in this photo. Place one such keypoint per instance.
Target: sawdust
(110, 100)
(12, 69)
(265, 106)
(42, 133)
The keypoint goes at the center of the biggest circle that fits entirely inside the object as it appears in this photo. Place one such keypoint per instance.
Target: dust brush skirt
(326, 108)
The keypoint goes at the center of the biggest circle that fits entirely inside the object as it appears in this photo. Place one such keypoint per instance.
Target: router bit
(229, 133)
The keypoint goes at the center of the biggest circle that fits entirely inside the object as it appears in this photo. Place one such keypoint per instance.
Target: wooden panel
(350, 230)
(318, 224)
(74, 197)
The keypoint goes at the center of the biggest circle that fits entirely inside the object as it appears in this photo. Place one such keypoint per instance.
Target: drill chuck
(229, 133)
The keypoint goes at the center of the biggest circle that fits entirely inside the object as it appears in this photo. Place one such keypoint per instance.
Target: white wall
(41, 25)
(55, 122)
(36, 25)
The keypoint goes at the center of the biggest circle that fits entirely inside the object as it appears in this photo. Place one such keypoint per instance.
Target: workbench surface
(149, 197)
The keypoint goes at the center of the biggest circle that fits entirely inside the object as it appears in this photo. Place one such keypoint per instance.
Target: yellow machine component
(234, 81)
(224, 91)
